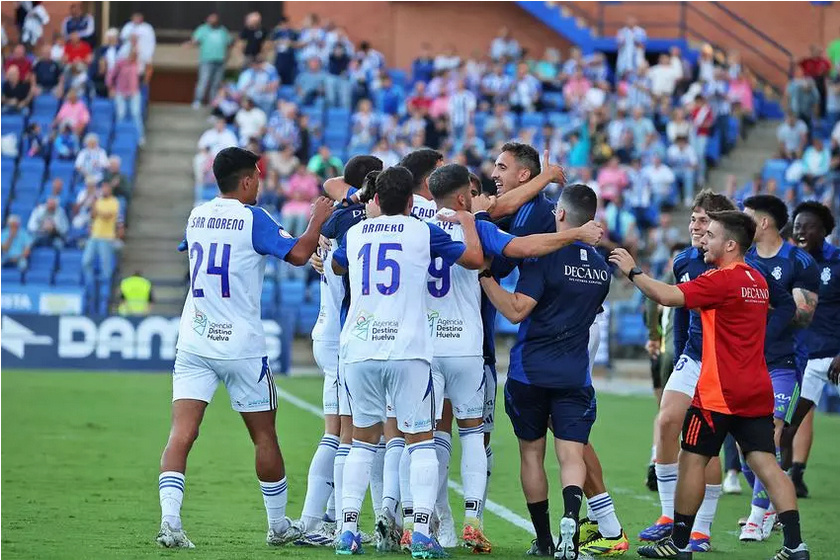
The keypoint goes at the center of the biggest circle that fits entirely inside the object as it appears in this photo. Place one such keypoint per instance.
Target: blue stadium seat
(774, 169)
(38, 275)
(480, 120)
(553, 100)
(70, 259)
(26, 198)
(45, 121)
(532, 120)
(292, 292)
(102, 108)
(11, 124)
(630, 329)
(338, 116)
(503, 326)
(306, 319)
(558, 119)
(32, 165)
(10, 275)
(69, 277)
(315, 114)
(29, 182)
(24, 210)
(399, 77)
(102, 128)
(287, 93)
(45, 104)
(43, 257)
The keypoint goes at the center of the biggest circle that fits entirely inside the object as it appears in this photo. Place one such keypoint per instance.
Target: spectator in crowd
(76, 50)
(252, 37)
(92, 159)
(284, 40)
(662, 237)
(802, 97)
(56, 189)
(79, 22)
(16, 244)
(104, 59)
(80, 214)
(495, 86)
(251, 121)
(113, 176)
(661, 179)
(706, 64)
(225, 104)
(526, 91)
(389, 97)
(66, 143)
(146, 40)
(621, 227)
(741, 97)
(217, 138)
(269, 196)
(424, 65)
(340, 81)
(299, 192)
(683, 162)
(817, 67)
(324, 164)
(816, 161)
(504, 47)
(642, 127)
(792, 135)
(124, 87)
(47, 74)
(136, 295)
(259, 82)
(21, 60)
(76, 77)
(33, 23)
(17, 94)
(371, 61)
(631, 41)
(575, 89)
(364, 125)
(283, 161)
(213, 41)
(35, 142)
(547, 69)
(664, 76)
(612, 179)
(282, 128)
(73, 112)
(311, 84)
(462, 106)
(702, 122)
(103, 234)
(48, 224)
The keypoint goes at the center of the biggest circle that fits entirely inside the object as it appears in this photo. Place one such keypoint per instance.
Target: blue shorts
(570, 412)
(786, 386)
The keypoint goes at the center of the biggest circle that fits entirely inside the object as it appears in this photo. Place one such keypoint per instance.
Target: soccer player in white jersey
(454, 314)
(221, 336)
(386, 347)
(325, 337)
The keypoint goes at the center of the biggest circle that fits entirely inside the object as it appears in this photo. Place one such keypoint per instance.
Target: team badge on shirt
(777, 273)
(361, 327)
(433, 317)
(199, 322)
(825, 275)
(583, 256)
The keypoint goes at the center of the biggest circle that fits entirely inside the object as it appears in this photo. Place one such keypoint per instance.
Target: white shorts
(409, 381)
(341, 388)
(390, 411)
(815, 379)
(248, 381)
(326, 356)
(489, 397)
(685, 376)
(461, 380)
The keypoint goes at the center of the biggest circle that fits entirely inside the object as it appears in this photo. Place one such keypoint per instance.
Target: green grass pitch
(80, 463)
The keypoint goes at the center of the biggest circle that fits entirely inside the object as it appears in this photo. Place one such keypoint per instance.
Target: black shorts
(654, 372)
(704, 432)
(530, 408)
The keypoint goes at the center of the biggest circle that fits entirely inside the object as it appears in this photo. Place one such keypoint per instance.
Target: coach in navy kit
(556, 300)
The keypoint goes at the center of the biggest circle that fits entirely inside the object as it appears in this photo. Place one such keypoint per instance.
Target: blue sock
(748, 474)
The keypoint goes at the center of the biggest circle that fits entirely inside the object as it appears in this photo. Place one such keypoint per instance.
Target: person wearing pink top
(612, 179)
(300, 190)
(73, 112)
(741, 93)
(576, 88)
(123, 82)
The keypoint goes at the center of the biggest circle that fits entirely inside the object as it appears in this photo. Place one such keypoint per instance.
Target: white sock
(391, 475)
(590, 513)
(603, 511)
(376, 477)
(653, 455)
(275, 497)
(706, 513)
(424, 483)
(473, 469)
(666, 482)
(330, 515)
(171, 489)
(319, 483)
(443, 450)
(756, 515)
(488, 452)
(356, 480)
(405, 489)
(338, 475)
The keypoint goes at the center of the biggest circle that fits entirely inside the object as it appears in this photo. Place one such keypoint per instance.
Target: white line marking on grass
(491, 506)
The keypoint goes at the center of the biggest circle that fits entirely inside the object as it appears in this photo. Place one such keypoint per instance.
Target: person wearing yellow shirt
(103, 233)
(135, 295)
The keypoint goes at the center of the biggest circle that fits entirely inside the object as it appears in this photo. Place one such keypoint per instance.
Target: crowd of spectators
(74, 70)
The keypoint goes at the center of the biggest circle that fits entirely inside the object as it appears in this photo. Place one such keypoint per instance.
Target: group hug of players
(411, 258)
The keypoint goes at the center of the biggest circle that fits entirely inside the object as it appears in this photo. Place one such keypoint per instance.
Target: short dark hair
(421, 163)
(358, 168)
(580, 203)
(821, 211)
(395, 187)
(738, 226)
(771, 205)
(475, 182)
(525, 155)
(231, 165)
(368, 188)
(710, 201)
(447, 179)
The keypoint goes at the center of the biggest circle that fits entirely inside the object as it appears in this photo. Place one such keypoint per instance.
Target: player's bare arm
(806, 304)
(513, 200)
(660, 292)
(541, 244)
(473, 257)
(306, 244)
(514, 306)
(336, 188)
